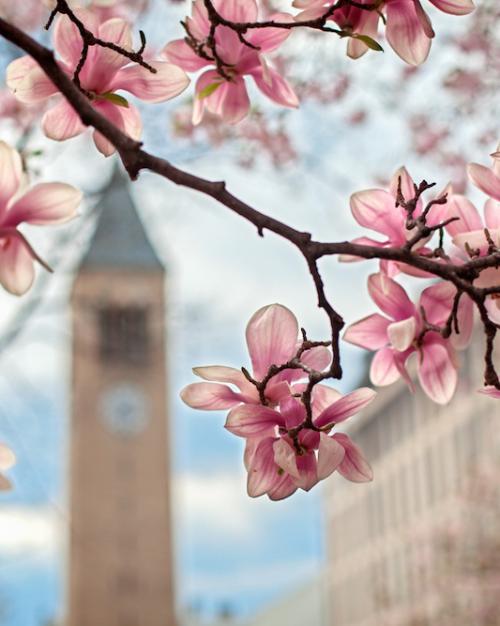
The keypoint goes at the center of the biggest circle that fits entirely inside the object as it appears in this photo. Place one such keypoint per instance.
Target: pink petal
(401, 334)
(405, 31)
(275, 87)
(383, 369)
(11, 171)
(45, 203)
(268, 39)
(363, 241)
(437, 302)
(376, 209)
(103, 63)
(436, 371)
(210, 396)
(67, 40)
(345, 407)
(308, 473)
(7, 457)
(465, 323)
(293, 411)
(454, 7)
(181, 54)
(323, 397)
(222, 374)
(369, 333)
(168, 82)
(354, 466)
(492, 392)
(230, 101)
(275, 392)
(28, 82)
(237, 10)
(407, 184)
(485, 179)
(492, 214)
(282, 489)
(62, 122)
(317, 358)
(16, 266)
(271, 336)
(367, 25)
(390, 297)
(460, 206)
(330, 455)
(127, 119)
(286, 458)
(252, 420)
(263, 473)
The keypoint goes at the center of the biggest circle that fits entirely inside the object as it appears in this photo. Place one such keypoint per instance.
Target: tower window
(124, 335)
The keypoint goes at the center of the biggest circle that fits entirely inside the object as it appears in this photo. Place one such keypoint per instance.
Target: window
(124, 335)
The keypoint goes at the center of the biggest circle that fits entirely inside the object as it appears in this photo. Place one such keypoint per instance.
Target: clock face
(124, 410)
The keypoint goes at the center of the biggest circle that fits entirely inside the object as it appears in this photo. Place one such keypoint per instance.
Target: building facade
(120, 552)
(385, 558)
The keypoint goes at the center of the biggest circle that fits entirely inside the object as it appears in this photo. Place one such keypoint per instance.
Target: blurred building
(389, 561)
(120, 554)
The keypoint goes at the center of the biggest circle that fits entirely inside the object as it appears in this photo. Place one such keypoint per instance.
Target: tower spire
(119, 240)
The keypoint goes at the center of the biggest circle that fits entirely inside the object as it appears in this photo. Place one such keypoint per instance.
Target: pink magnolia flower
(468, 233)
(104, 74)
(225, 94)
(487, 179)
(283, 453)
(45, 203)
(272, 339)
(399, 335)
(7, 460)
(376, 210)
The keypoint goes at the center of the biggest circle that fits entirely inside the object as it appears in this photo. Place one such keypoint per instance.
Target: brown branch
(135, 159)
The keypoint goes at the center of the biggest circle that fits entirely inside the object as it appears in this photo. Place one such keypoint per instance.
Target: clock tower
(120, 553)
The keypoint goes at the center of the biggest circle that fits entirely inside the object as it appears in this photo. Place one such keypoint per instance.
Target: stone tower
(120, 553)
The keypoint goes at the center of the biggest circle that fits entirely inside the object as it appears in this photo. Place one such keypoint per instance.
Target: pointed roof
(119, 240)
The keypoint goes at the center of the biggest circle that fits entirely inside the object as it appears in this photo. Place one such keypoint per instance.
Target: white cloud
(30, 531)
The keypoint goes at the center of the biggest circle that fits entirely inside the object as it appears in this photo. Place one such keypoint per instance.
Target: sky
(230, 550)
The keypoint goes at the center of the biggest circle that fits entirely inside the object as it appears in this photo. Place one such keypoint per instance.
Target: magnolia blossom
(408, 27)
(7, 460)
(104, 74)
(399, 335)
(468, 233)
(272, 339)
(488, 180)
(225, 93)
(45, 203)
(283, 453)
(376, 210)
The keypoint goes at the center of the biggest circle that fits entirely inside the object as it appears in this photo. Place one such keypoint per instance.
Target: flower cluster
(222, 90)
(441, 322)
(104, 73)
(288, 432)
(408, 28)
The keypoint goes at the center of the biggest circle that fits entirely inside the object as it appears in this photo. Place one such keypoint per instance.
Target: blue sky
(230, 549)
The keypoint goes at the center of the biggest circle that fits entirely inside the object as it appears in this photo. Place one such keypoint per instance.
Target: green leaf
(115, 99)
(368, 41)
(208, 91)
